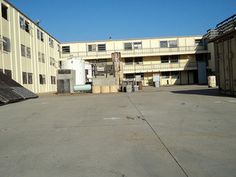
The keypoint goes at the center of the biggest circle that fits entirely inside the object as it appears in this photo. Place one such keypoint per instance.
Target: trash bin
(136, 88)
(157, 84)
(211, 81)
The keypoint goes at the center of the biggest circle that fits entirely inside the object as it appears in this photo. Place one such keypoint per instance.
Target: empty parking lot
(173, 131)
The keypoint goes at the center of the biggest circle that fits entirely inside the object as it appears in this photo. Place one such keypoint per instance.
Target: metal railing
(136, 52)
(139, 68)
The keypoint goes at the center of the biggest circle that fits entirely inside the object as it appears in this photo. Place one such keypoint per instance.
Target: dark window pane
(24, 77)
(163, 44)
(65, 49)
(101, 47)
(128, 46)
(164, 59)
(4, 11)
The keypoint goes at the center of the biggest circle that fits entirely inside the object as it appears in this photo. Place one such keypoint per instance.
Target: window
(58, 48)
(138, 60)
(38, 34)
(128, 46)
(39, 57)
(163, 44)
(65, 49)
(24, 77)
(4, 12)
(22, 24)
(173, 44)
(174, 59)
(8, 73)
(164, 59)
(42, 38)
(52, 61)
(43, 57)
(42, 79)
(6, 44)
(128, 61)
(92, 48)
(28, 52)
(51, 42)
(22, 50)
(27, 27)
(30, 78)
(53, 80)
(129, 76)
(169, 44)
(101, 47)
(137, 45)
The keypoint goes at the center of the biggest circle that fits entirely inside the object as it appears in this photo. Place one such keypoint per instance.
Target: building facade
(28, 54)
(178, 60)
(223, 38)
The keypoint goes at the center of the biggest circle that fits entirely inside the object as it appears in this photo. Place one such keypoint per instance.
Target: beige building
(223, 39)
(28, 53)
(178, 60)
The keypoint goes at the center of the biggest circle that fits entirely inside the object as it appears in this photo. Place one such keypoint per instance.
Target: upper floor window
(131, 46)
(65, 49)
(4, 12)
(23, 54)
(101, 47)
(164, 44)
(28, 52)
(40, 35)
(24, 24)
(170, 59)
(92, 48)
(6, 44)
(164, 59)
(128, 46)
(137, 45)
(173, 44)
(27, 26)
(51, 42)
(53, 80)
(174, 59)
(169, 44)
(129, 61)
(138, 60)
(43, 57)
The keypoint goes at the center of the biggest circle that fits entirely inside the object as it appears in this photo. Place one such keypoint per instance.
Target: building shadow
(204, 92)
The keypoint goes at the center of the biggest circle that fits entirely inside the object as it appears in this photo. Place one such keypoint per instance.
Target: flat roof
(130, 39)
(13, 6)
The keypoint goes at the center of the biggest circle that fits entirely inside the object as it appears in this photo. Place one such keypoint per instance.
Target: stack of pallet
(104, 85)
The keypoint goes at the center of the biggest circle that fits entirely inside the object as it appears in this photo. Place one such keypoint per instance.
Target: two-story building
(178, 60)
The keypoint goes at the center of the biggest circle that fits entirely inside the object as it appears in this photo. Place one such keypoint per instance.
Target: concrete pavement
(174, 131)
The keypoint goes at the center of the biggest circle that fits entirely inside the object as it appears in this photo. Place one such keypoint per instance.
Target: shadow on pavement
(205, 92)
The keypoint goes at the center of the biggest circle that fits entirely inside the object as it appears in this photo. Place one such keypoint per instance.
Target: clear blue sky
(85, 20)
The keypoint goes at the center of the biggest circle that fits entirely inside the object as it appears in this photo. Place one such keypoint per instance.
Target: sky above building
(81, 20)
